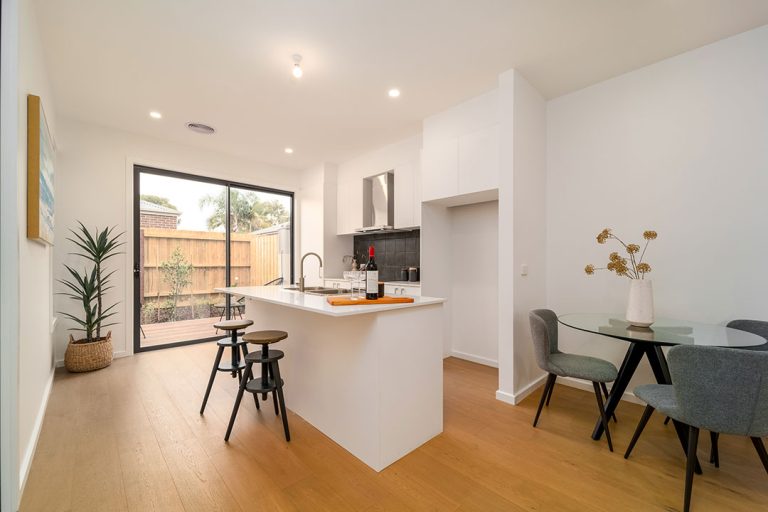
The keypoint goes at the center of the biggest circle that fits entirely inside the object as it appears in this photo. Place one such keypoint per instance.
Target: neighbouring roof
(147, 207)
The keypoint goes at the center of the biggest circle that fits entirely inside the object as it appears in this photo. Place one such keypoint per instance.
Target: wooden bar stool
(270, 380)
(236, 365)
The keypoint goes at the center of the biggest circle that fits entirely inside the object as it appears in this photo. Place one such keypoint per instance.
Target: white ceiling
(228, 62)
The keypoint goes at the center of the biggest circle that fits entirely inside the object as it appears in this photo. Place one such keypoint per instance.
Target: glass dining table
(648, 342)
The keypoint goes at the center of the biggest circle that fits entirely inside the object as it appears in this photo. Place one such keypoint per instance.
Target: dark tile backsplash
(393, 251)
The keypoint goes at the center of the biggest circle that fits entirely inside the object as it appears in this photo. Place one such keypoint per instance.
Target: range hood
(378, 203)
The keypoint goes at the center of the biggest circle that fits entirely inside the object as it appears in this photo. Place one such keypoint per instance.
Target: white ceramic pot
(640, 303)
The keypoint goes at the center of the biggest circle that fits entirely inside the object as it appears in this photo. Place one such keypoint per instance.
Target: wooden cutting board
(349, 301)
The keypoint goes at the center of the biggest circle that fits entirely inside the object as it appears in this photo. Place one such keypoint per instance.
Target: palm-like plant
(89, 288)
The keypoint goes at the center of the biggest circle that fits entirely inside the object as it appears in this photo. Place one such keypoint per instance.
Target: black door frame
(229, 185)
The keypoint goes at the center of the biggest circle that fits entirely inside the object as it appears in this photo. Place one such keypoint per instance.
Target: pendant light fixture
(297, 71)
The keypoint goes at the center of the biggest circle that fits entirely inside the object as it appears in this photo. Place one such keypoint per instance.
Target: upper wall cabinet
(479, 160)
(460, 152)
(349, 206)
(401, 158)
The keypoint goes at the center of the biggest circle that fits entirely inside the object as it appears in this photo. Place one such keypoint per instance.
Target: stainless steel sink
(323, 291)
(316, 290)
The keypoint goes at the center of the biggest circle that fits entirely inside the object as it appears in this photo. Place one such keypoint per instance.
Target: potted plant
(93, 351)
(633, 266)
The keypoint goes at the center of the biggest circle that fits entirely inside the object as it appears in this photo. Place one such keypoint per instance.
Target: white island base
(372, 382)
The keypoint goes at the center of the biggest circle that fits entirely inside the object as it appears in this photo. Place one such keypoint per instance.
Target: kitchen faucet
(301, 268)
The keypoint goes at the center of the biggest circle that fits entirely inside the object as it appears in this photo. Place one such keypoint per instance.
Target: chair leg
(639, 430)
(281, 399)
(760, 447)
(551, 390)
(215, 369)
(240, 392)
(599, 396)
(605, 392)
(693, 441)
(666, 421)
(544, 394)
(714, 454)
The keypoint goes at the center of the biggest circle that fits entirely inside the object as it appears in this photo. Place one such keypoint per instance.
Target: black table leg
(631, 360)
(661, 372)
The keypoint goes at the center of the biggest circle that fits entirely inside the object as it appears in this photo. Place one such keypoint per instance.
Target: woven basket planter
(86, 357)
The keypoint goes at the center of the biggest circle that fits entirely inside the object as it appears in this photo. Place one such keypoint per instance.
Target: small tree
(177, 272)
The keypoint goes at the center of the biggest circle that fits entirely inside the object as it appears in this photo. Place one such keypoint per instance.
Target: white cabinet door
(439, 169)
(417, 197)
(404, 201)
(479, 160)
(397, 290)
(349, 212)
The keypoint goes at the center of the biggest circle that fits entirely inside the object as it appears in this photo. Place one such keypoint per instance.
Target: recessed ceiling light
(155, 115)
(201, 128)
(288, 151)
(297, 71)
(394, 93)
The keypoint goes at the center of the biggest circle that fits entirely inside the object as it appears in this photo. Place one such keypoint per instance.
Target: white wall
(474, 284)
(679, 147)
(95, 168)
(36, 361)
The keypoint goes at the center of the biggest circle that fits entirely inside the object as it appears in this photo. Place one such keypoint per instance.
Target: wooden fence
(255, 259)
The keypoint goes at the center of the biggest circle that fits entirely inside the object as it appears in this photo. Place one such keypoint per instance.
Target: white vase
(640, 303)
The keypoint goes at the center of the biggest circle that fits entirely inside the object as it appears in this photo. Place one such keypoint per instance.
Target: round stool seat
(227, 342)
(258, 357)
(233, 325)
(264, 337)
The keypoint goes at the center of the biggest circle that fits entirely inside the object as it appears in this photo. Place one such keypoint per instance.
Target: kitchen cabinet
(407, 196)
(460, 152)
(349, 209)
(478, 157)
(440, 169)
(411, 290)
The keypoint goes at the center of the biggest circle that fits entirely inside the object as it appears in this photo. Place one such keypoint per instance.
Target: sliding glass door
(193, 235)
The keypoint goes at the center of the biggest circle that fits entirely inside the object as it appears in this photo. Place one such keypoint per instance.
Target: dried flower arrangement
(634, 267)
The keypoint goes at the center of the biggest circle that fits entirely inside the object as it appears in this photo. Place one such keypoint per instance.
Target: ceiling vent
(201, 128)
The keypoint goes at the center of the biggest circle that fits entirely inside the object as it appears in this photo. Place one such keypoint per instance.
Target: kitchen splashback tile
(393, 251)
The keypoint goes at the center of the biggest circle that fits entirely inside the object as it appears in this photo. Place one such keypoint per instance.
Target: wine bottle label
(372, 281)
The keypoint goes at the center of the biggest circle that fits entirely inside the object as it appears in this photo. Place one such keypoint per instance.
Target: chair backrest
(544, 334)
(721, 389)
(755, 327)
(275, 282)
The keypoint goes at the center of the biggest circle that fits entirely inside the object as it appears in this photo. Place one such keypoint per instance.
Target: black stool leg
(235, 357)
(264, 369)
(249, 375)
(274, 393)
(240, 392)
(216, 363)
(639, 430)
(279, 384)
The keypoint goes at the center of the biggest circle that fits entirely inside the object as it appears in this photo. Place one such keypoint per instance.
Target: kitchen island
(370, 377)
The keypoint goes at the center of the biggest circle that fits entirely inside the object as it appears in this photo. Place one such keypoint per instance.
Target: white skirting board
(474, 359)
(516, 398)
(29, 452)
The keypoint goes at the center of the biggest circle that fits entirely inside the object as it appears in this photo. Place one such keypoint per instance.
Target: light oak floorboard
(129, 437)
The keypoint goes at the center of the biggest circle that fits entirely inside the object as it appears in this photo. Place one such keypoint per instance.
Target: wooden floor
(183, 330)
(130, 438)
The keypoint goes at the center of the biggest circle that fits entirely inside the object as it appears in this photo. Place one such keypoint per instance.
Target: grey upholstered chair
(559, 364)
(718, 389)
(755, 327)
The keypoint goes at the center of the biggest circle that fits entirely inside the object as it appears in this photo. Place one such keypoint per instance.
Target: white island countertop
(318, 303)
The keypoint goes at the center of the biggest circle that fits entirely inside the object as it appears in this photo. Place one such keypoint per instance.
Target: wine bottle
(371, 277)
